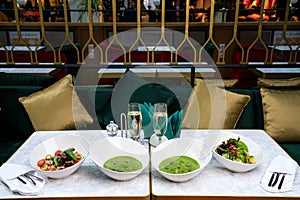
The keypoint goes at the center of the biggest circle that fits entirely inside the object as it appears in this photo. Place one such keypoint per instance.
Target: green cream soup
(123, 164)
(178, 165)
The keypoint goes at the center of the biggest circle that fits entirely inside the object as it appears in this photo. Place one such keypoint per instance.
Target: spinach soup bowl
(251, 153)
(119, 158)
(44, 157)
(180, 159)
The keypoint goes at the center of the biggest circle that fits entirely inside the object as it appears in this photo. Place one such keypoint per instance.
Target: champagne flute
(160, 119)
(134, 117)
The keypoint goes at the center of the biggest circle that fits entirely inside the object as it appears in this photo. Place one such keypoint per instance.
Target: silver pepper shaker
(112, 129)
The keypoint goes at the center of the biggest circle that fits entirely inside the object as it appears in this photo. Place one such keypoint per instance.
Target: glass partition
(235, 30)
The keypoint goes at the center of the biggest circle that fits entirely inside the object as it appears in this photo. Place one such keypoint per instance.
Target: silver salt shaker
(112, 129)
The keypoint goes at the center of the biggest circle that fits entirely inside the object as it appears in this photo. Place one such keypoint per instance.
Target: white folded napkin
(280, 175)
(21, 179)
(154, 140)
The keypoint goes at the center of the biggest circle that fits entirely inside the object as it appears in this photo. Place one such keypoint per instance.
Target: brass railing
(103, 57)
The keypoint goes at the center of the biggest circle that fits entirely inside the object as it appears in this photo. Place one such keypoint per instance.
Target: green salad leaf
(236, 150)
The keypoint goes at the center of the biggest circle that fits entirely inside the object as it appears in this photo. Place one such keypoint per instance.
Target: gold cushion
(291, 82)
(219, 82)
(222, 83)
(210, 107)
(56, 108)
(281, 114)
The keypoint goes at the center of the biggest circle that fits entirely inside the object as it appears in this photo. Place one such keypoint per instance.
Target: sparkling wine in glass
(160, 119)
(134, 117)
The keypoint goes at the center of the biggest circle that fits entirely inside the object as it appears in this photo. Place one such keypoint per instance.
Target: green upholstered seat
(14, 120)
(293, 149)
(8, 147)
(252, 116)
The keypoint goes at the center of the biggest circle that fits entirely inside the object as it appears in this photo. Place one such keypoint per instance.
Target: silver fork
(34, 177)
(29, 178)
(25, 179)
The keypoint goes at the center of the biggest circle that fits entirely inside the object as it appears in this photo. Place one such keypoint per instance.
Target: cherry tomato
(52, 168)
(58, 152)
(41, 162)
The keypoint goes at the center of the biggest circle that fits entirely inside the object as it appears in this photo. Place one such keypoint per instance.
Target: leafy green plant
(83, 6)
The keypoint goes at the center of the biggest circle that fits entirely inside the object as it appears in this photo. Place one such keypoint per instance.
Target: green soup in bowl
(123, 164)
(179, 159)
(179, 165)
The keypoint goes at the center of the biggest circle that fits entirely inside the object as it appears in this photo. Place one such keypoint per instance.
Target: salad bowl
(55, 144)
(255, 153)
(187, 146)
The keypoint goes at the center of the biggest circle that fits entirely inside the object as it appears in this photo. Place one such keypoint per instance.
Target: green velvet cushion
(14, 120)
(153, 93)
(122, 93)
(26, 80)
(97, 101)
(252, 116)
(132, 88)
(182, 94)
(102, 98)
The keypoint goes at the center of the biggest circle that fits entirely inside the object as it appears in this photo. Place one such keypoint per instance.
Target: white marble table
(186, 72)
(277, 72)
(285, 47)
(31, 71)
(86, 183)
(23, 48)
(157, 48)
(158, 72)
(28, 70)
(216, 182)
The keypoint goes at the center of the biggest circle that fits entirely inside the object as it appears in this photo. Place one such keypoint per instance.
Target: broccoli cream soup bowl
(119, 158)
(237, 153)
(180, 159)
(59, 157)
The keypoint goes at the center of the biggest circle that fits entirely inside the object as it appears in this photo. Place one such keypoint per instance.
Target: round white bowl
(178, 147)
(110, 147)
(63, 142)
(234, 166)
